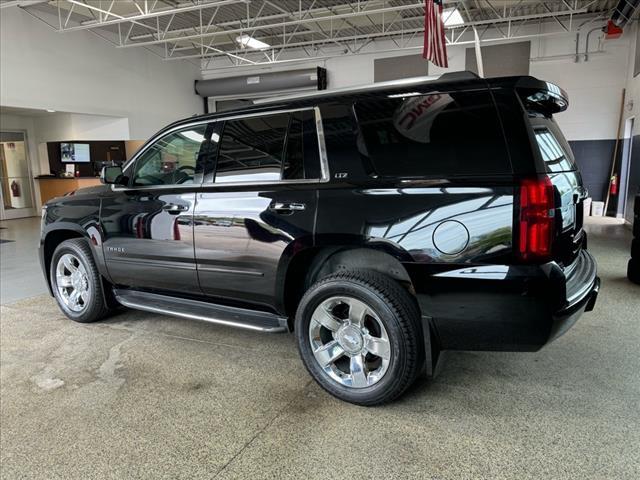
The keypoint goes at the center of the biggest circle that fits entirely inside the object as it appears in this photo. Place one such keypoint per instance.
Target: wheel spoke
(326, 319)
(63, 281)
(328, 353)
(73, 298)
(378, 347)
(357, 312)
(84, 295)
(358, 373)
(68, 263)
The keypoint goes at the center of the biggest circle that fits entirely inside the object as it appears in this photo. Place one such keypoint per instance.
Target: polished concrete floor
(146, 396)
(20, 273)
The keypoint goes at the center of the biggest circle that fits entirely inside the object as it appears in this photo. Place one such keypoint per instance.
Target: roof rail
(405, 82)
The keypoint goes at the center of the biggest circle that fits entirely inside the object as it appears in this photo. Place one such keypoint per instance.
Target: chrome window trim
(322, 150)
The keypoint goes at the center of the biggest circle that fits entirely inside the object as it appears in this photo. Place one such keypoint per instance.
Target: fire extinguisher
(613, 188)
(15, 189)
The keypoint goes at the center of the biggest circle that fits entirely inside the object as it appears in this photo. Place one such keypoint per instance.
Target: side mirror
(113, 175)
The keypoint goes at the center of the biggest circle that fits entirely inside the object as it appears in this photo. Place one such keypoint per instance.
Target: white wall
(71, 126)
(594, 87)
(79, 72)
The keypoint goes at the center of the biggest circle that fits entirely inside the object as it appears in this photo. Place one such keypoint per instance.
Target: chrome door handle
(287, 207)
(174, 208)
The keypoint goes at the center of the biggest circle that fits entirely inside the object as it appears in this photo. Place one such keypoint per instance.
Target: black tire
(636, 226)
(635, 248)
(95, 307)
(633, 270)
(395, 308)
(636, 205)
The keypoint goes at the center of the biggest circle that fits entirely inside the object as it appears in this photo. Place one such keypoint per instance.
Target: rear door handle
(284, 207)
(174, 208)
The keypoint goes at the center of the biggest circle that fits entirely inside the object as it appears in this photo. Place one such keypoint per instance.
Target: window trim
(322, 150)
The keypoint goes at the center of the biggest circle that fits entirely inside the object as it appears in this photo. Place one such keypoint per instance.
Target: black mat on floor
(5, 241)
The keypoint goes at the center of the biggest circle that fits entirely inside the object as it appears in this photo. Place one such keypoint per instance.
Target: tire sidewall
(95, 306)
(340, 288)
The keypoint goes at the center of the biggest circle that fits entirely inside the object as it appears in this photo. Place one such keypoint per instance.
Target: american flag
(435, 48)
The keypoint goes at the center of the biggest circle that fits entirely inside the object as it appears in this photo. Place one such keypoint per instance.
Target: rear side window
(252, 149)
(440, 134)
(302, 157)
(268, 148)
(554, 149)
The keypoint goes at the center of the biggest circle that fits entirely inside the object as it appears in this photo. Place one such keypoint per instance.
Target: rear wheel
(633, 270)
(76, 282)
(359, 336)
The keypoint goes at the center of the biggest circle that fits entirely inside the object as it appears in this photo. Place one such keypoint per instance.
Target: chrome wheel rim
(349, 342)
(72, 283)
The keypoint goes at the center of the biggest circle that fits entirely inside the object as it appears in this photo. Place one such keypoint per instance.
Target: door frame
(21, 212)
(625, 165)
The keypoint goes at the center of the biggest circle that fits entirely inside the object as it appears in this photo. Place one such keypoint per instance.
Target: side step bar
(206, 312)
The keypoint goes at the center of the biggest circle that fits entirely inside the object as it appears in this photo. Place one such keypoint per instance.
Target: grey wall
(394, 68)
(501, 60)
(594, 159)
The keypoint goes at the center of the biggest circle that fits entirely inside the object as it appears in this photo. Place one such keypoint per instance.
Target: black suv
(382, 225)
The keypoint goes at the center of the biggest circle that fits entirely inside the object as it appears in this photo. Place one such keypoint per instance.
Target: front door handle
(285, 207)
(174, 208)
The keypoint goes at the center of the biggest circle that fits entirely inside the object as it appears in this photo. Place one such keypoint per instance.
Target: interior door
(149, 225)
(261, 201)
(15, 178)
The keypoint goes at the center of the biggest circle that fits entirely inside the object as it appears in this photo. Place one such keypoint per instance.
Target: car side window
(252, 149)
(302, 158)
(269, 148)
(454, 133)
(175, 159)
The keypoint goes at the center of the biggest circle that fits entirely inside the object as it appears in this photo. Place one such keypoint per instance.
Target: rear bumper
(564, 319)
(504, 307)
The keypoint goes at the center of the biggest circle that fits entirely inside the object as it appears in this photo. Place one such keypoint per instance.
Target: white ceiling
(198, 30)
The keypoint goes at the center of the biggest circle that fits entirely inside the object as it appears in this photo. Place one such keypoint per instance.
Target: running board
(206, 312)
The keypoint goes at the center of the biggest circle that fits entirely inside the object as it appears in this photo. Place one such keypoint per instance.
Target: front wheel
(76, 282)
(359, 336)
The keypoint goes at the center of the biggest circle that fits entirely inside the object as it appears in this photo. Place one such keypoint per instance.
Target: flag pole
(478, 52)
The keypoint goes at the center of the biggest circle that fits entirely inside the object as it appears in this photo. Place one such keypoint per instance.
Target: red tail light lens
(536, 218)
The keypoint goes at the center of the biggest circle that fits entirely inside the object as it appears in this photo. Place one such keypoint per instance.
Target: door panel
(240, 238)
(149, 227)
(149, 239)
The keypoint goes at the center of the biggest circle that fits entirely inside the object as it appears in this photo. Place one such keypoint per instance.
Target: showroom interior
(84, 84)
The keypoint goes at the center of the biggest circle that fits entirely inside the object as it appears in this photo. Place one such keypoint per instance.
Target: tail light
(537, 206)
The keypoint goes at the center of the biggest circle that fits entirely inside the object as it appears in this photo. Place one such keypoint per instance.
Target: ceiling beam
(137, 17)
(278, 25)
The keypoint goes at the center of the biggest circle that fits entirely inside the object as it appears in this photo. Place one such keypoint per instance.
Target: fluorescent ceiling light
(248, 41)
(452, 17)
(50, 111)
(193, 135)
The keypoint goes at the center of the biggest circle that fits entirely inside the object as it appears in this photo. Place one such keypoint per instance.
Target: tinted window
(252, 149)
(269, 148)
(174, 159)
(554, 149)
(439, 134)
(302, 158)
